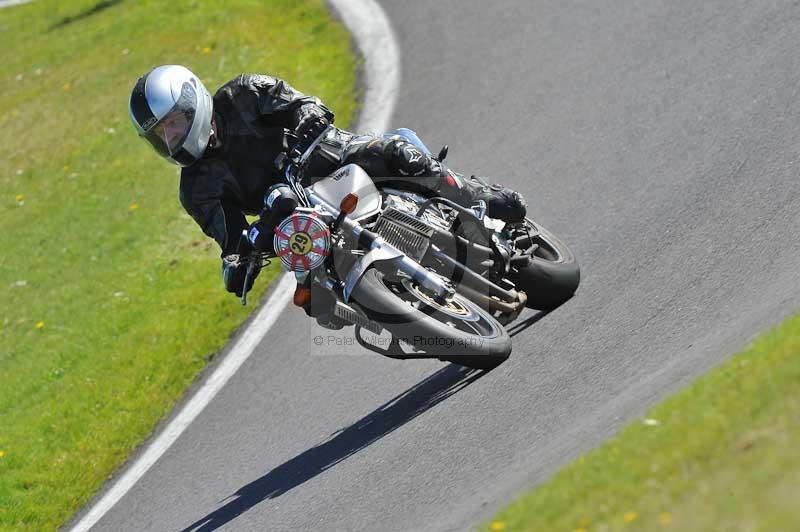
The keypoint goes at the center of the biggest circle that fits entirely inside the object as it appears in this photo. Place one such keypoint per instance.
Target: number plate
(302, 241)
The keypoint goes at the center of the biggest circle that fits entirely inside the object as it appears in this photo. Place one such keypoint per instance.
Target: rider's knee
(404, 159)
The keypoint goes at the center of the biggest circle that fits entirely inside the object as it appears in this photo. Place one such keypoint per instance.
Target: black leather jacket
(252, 113)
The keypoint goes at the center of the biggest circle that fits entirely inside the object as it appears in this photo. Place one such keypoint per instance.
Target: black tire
(383, 302)
(552, 275)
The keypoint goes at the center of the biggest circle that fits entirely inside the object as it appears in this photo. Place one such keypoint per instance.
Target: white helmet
(172, 110)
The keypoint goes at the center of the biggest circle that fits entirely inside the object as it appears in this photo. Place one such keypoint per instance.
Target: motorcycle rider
(227, 145)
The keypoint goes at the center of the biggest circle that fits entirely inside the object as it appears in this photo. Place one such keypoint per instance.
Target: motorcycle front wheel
(455, 330)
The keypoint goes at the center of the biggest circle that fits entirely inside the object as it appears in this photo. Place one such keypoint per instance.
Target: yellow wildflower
(133, 207)
(631, 516)
(498, 525)
(19, 197)
(665, 518)
(67, 86)
(2, 454)
(206, 49)
(40, 325)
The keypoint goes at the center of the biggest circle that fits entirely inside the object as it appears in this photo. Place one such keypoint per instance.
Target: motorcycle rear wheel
(456, 330)
(552, 274)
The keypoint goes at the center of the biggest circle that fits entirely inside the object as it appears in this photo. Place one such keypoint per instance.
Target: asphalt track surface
(661, 140)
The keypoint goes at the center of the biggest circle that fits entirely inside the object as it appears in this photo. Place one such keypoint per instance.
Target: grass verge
(721, 454)
(110, 296)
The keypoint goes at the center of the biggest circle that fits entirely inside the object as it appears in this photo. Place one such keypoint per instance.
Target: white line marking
(375, 39)
(377, 44)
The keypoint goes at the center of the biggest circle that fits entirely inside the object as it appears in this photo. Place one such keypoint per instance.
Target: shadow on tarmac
(517, 328)
(391, 415)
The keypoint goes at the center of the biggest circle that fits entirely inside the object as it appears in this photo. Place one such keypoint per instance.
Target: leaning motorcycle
(439, 279)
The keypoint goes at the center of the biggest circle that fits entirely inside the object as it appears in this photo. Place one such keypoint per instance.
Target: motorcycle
(440, 279)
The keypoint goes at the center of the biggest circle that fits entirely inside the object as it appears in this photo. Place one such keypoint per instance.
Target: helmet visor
(168, 134)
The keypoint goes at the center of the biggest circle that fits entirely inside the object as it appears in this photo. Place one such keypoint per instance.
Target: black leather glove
(233, 274)
(311, 120)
